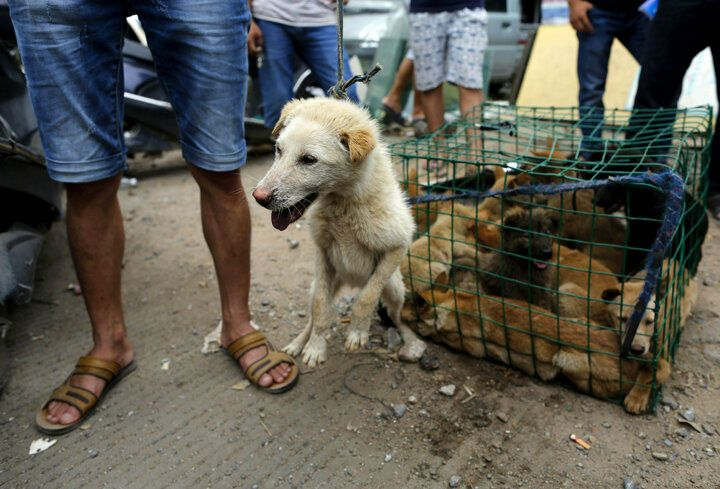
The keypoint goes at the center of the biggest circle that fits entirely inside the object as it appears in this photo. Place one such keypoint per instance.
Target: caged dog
(331, 163)
(520, 269)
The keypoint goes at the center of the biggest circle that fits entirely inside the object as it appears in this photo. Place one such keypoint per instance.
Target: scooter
(29, 199)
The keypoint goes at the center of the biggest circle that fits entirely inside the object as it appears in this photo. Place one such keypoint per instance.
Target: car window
(496, 5)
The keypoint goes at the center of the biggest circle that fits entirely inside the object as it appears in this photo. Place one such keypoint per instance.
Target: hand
(579, 15)
(255, 39)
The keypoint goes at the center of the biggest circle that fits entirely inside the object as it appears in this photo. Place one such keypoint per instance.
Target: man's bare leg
(226, 226)
(97, 241)
(434, 107)
(402, 79)
(469, 98)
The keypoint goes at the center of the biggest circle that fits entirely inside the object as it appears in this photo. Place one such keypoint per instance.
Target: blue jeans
(315, 46)
(72, 53)
(630, 28)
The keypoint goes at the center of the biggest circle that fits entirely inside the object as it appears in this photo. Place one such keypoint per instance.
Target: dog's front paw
(637, 400)
(295, 346)
(315, 351)
(412, 350)
(356, 339)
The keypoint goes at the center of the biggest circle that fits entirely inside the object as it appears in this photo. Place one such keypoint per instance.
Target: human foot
(65, 414)
(276, 375)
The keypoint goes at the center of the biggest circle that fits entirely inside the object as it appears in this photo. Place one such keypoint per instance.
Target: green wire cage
(545, 281)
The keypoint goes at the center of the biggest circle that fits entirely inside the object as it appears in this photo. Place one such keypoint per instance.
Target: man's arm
(579, 15)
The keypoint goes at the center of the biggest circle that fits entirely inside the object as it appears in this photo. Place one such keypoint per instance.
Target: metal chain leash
(339, 90)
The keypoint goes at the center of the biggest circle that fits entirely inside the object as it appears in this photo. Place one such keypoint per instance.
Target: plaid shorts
(449, 46)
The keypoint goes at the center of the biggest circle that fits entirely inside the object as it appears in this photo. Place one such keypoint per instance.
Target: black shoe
(713, 203)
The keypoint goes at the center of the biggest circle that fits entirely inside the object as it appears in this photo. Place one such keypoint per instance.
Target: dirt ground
(187, 427)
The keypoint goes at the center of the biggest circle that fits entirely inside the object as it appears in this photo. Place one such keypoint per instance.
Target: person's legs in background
(634, 34)
(592, 68)
(467, 42)
(205, 72)
(428, 39)
(714, 190)
(317, 47)
(277, 72)
(676, 35)
(392, 103)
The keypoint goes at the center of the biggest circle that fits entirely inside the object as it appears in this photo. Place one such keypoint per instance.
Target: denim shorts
(449, 46)
(72, 53)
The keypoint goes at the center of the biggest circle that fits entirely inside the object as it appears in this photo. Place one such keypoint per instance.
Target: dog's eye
(308, 159)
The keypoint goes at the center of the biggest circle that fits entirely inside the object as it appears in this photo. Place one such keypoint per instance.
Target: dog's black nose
(546, 253)
(263, 197)
(637, 350)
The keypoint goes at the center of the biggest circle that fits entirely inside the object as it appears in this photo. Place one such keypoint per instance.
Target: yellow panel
(551, 75)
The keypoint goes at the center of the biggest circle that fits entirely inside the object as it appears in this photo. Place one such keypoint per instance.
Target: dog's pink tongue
(540, 265)
(282, 219)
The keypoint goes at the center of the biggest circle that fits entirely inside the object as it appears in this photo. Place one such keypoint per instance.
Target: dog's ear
(611, 294)
(513, 218)
(359, 143)
(284, 115)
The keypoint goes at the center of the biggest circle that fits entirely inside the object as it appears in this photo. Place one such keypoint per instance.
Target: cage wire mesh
(545, 282)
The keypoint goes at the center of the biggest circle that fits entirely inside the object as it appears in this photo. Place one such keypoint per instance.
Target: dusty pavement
(187, 427)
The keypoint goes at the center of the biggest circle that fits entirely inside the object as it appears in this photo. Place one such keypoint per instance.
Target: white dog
(329, 158)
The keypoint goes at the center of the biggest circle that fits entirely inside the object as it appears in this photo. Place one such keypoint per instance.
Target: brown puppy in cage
(537, 342)
(451, 237)
(519, 269)
(581, 222)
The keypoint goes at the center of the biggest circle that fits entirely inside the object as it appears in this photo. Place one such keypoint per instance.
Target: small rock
(502, 416)
(628, 483)
(388, 457)
(412, 399)
(301, 314)
(255, 486)
(454, 481)
(265, 302)
(709, 430)
(642, 435)
(92, 453)
(293, 243)
(399, 410)
(606, 424)
(688, 414)
(670, 402)
(660, 455)
(429, 362)
(691, 424)
(667, 442)
(448, 390)
(394, 340)
(682, 432)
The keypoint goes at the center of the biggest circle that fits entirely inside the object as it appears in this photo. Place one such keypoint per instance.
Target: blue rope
(673, 188)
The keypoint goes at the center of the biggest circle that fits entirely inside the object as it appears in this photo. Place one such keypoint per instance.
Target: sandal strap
(102, 369)
(81, 399)
(263, 365)
(246, 343)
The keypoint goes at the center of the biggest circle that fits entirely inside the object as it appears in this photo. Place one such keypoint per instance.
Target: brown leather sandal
(82, 399)
(263, 365)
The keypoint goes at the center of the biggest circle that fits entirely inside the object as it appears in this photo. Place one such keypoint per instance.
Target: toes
(277, 375)
(266, 380)
(70, 416)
